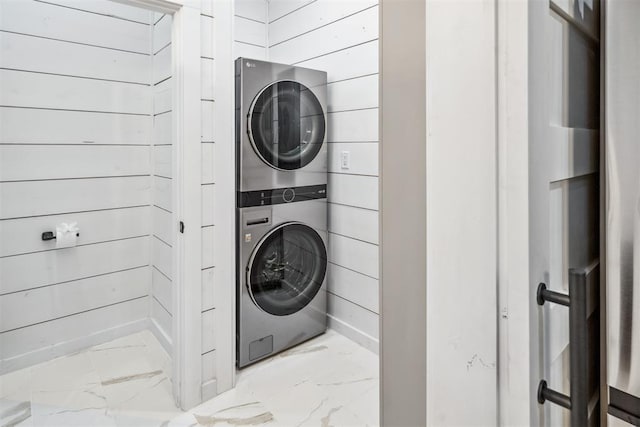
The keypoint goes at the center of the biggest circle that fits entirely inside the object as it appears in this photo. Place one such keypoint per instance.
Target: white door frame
(187, 197)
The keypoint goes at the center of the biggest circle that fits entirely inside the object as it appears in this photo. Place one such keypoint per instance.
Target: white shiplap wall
(250, 29)
(341, 37)
(162, 208)
(210, 386)
(75, 108)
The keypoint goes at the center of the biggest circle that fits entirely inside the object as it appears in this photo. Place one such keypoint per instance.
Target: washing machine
(281, 126)
(281, 207)
(282, 271)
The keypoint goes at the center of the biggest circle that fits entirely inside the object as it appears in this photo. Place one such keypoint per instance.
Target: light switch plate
(345, 159)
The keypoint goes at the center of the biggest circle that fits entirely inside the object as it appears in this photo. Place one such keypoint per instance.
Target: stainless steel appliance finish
(622, 148)
(281, 277)
(281, 125)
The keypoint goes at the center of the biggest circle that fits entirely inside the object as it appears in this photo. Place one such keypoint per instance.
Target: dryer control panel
(278, 196)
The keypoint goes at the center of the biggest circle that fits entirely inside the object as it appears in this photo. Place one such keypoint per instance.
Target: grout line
(77, 246)
(353, 174)
(351, 206)
(352, 302)
(94, 13)
(156, 236)
(76, 280)
(355, 271)
(207, 352)
(161, 272)
(75, 111)
(354, 207)
(161, 49)
(323, 26)
(75, 314)
(70, 144)
(249, 19)
(74, 77)
(352, 78)
(161, 305)
(354, 109)
(78, 43)
(161, 208)
(352, 238)
(73, 213)
(162, 81)
(251, 44)
(353, 142)
(336, 51)
(289, 13)
(72, 178)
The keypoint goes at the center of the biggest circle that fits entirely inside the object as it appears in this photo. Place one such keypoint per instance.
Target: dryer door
(286, 125)
(287, 269)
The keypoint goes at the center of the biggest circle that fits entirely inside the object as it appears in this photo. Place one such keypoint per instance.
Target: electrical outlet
(345, 159)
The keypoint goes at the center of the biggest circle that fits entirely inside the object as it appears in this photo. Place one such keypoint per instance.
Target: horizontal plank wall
(250, 29)
(161, 155)
(208, 190)
(76, 115)
(341, 37)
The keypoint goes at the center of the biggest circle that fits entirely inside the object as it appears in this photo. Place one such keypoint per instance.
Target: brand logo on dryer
(250, 64)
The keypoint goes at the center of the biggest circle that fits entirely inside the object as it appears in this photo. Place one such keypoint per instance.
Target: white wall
(213, 279)
(162, 174)
(461, 214)
(110, 131)
(74, 147)
(250, 29)
(341, 37)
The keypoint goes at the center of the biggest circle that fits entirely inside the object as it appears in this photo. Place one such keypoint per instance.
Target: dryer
(281, 126)
(281, 274)
(281, 215)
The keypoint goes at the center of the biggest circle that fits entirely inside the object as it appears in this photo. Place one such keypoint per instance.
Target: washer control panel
(280, 195)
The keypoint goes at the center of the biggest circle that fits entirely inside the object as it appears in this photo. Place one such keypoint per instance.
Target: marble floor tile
(327, 381)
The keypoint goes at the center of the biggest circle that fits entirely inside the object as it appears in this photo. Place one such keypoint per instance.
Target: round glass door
(287, 269)
(286, 125)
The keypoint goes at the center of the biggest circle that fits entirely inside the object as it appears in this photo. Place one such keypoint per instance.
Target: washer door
(286, 125)
(287, 268)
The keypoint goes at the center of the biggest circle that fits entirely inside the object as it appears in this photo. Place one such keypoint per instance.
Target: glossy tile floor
(122, 382)
(328, 381)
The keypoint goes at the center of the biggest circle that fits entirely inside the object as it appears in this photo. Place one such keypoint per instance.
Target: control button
(288, 195)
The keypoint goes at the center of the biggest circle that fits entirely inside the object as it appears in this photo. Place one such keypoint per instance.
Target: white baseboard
(161, 336)
(367, 341)
(69, 347)
(209, 390)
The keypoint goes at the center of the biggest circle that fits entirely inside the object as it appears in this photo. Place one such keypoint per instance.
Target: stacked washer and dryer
(281, 209)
